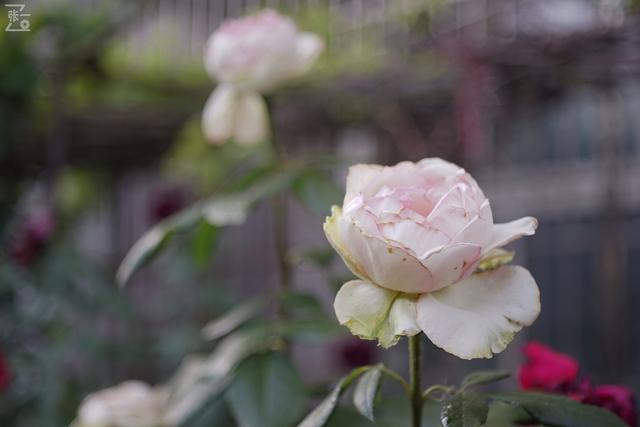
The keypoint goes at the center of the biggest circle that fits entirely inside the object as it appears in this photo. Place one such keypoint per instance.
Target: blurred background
(100, 139)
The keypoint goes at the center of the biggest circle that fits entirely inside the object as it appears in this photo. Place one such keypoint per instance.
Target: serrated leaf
(559, 411)
(267, 391)
(483, 377)
(321, 414)
(465, 409)
(364, 395)
(232, 319)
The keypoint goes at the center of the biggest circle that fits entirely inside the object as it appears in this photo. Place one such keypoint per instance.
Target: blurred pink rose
(415, 233)
(617, 399)
(259, 52)
(546, 369)
(248, 57)
(550, 371)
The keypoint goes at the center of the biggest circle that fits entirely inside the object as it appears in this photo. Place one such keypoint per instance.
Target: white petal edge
(251, 120)
(510, 231)
(480, 315)
(330, 228)
(219, 115)
(309, 46)
(372, 312)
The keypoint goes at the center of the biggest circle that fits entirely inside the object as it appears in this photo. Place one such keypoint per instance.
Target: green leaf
(483, 377)
(233, 319)
(266, 392)
(204, 243)
(321, 414)
(465, 409)
(220, 210)
(203, 379)
(364, 395)
(302, 304)
(311, 330)
(150, 244)
(318, 192)
(559, 411)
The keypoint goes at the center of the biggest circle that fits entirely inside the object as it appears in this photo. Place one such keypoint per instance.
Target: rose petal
(451, 263)
(309, 46)
(372, 312)
(388, 266)
(218, 116)
(413, 237)
(480, 315)
(332, 232)
(510, 231)
(358, 178)
(252, 120)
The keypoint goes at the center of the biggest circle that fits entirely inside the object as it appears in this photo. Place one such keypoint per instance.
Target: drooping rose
(414, 234)
(547, 370)
(130, 404)
(248, 57)
(616, 398)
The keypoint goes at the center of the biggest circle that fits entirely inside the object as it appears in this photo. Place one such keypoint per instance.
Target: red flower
(547, 370)
(5, 375)
(167, 201)
(615, 398)
(32, 237)
(356, 352)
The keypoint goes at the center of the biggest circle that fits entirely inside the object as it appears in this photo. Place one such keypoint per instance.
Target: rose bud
(247, 57)
(130, 404)
(415, 234)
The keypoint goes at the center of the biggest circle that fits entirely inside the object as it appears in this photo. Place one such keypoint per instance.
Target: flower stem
(415, 359)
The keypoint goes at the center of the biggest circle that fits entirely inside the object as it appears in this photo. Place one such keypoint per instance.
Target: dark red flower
(32, 237)
(355, 352)
(548, 370)
(166, 202)
(617, 399)
(5, 375)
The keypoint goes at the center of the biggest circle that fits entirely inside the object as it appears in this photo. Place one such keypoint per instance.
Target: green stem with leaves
(415, 361)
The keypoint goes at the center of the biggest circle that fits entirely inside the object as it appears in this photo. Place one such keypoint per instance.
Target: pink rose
(546, 369)
(617, 399)
(247, 57)
(415, 234)
(260, 52)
